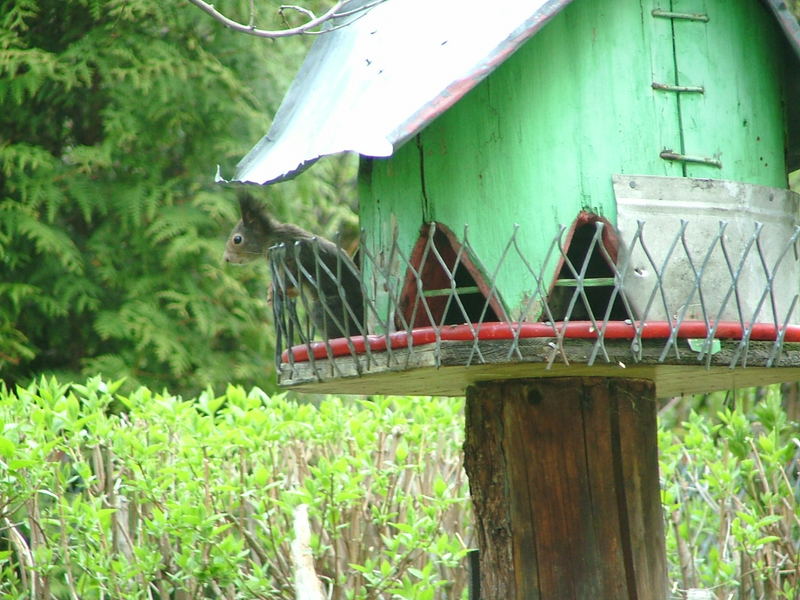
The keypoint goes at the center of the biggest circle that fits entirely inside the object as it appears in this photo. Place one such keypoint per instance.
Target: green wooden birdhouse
(610, 172)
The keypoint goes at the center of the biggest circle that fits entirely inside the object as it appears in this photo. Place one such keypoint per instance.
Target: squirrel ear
(253, 213)
(248, 208)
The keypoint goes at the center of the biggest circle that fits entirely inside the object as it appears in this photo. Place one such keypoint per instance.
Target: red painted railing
(614, 330)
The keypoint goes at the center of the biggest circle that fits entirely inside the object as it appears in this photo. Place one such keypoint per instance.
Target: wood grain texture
(485, 462)
(423, 371)
(567, 470)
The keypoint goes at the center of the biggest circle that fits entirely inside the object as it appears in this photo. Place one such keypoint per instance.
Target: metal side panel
(707, 249)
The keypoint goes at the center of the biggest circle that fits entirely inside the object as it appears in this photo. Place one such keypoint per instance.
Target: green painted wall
(736, 57)
(538, 140)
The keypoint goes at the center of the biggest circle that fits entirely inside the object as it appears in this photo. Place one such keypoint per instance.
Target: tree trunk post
(563, 474)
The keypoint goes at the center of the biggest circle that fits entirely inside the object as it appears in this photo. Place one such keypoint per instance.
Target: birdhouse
(551, 191)
(597, 175)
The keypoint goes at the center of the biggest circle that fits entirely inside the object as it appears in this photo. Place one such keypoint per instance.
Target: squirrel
(313, 265)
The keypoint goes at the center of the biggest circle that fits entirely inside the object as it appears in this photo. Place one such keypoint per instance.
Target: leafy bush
(113, 116)
(731, 495)
(147, 495)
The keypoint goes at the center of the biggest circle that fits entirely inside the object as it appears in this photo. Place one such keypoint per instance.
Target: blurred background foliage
(113, 117)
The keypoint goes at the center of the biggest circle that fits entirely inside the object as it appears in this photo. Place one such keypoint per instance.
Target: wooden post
(564, 480)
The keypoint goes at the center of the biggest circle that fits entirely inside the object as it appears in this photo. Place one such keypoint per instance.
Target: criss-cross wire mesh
(654, 287)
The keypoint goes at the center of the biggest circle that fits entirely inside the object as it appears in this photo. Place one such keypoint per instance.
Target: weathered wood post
(564, 481)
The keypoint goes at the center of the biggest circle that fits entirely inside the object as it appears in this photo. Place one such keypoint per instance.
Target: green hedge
(188, 499)
(731, 493)
(147, 495)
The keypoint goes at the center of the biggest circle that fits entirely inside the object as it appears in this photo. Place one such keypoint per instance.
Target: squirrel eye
(237, 239)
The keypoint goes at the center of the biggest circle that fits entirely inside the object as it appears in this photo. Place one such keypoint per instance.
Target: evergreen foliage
(113, 116)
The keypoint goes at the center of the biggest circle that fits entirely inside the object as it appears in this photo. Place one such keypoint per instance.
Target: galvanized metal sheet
(370, 85)
(661, 282)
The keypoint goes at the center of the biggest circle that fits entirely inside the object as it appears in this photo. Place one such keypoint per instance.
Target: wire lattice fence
(654, 287)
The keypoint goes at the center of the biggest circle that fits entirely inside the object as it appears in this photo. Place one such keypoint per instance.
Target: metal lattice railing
(654, 288)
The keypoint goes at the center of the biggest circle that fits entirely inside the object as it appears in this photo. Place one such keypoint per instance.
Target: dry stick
(209, 505)
(310, 15)
(282, 568)
(62, 521)
(268, 529)
(98, 470)
(106, 550)
(792, 552)
(306, 583)
(252, 22)
(684, 554)
(25, 556)
(217, 590)
(746, 576)
(304, 29)
(38, 538)
(772, 585)
(236, 26)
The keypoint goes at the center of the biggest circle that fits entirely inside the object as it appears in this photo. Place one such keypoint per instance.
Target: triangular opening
(584, 249)
(444, 285)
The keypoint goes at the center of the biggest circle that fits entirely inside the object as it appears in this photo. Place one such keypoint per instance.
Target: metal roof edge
(788, 23)
(325, 112)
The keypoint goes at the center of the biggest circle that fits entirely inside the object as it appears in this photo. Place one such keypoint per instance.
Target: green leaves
(731, 496)
(189, 495)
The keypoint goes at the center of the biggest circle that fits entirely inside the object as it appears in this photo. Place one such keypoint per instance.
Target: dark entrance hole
(598, 278)
(438, 263)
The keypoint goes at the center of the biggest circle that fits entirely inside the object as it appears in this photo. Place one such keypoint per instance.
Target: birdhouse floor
(441, 369)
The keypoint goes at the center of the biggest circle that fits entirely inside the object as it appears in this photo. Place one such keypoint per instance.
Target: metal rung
(588, 282)
(667, 14)
(447, 291)
(678, 88)
(669, 155)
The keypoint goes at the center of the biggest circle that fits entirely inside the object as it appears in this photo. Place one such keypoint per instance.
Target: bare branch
(306, 28)
(359, 9)
(300, 9)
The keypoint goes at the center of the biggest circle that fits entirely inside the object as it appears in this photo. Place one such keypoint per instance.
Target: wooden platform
(424, 371)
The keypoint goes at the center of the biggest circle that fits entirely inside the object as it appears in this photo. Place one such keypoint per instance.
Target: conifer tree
(113, 116)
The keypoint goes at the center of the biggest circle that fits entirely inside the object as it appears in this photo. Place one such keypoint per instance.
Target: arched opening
(444, 284)
(591, 255)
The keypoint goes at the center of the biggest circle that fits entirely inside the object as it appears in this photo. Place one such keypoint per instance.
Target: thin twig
(311, 16)
(304, 29)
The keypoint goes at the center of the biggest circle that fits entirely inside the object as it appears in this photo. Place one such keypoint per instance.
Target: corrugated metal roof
(370, 85)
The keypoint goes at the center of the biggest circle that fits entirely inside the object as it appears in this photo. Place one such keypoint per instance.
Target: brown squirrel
(314, 266)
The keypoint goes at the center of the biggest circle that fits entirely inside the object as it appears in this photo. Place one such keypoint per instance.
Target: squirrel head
(253, 234)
